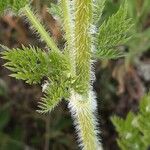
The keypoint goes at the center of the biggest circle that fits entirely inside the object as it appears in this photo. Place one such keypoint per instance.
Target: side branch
(40, 29)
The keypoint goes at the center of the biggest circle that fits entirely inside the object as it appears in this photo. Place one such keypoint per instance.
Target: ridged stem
(83, 19)
(69, 34)
(83, 112)
(40, 29)
(83, 105)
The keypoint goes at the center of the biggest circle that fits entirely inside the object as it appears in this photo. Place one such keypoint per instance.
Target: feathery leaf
(26, 62)
(99, 6)
(54, 93)
(32, 64)
(113, 33)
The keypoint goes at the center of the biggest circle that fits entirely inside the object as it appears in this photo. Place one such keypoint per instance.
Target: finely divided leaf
(112, 34)
(99, 6)
(32, 64)
(54, 93)
(29, 63)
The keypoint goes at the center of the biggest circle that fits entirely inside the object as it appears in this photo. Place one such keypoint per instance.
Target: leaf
(54, 93)
(29, 63)
(59, 64)
(56, 10)
(113, 33)
(99, 6)
(32, 64)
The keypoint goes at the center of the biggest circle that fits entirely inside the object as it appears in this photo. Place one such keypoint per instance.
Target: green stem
(83, 20)
(83, 109)
(68, 27)
(83, 105)
(40, 29)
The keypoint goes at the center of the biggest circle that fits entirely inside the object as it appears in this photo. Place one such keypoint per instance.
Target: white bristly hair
(83, 111)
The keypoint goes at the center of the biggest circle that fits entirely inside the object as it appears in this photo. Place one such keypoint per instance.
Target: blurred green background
(119, 84)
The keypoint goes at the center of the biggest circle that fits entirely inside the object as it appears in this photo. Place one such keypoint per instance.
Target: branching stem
(69, 34)
(40, 29)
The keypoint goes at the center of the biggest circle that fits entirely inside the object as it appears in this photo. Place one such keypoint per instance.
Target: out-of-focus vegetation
(119, 84)
(134, 130)
(14, 5)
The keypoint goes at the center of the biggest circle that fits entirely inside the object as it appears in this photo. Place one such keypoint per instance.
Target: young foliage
(28, 63)
(113, 33)
(134, 130)
(32, 64)
(54, 93)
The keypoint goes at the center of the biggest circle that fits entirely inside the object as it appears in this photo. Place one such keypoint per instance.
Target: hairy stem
(83, 19)
(83, 110)
(69, 35)
(83, 105)
(40, 29)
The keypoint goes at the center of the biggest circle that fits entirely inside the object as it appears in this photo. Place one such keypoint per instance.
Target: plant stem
(40, 29)
(83, 105)
(85, 121)
(83, 19)
(69, 35)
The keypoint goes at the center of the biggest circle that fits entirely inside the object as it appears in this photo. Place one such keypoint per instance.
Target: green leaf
(99, 6)
(144, 118)
(112, 34)
(32, 64)
(59, 65)
(54, 93)
(29, 63)
(56, 10)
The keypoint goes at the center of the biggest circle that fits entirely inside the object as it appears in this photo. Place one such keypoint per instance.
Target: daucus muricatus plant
(70, 71)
